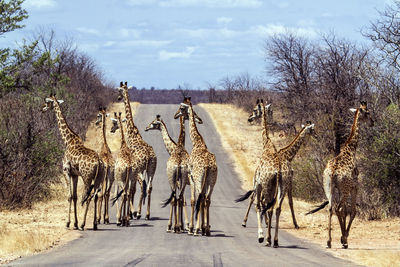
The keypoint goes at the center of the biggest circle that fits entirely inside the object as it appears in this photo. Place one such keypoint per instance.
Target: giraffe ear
(130, 87)
(108, 114)
(48, 99)
(124, 120)
(267, 106)
(353, 110)
(302, 126)
(112, 119)
(60, 101)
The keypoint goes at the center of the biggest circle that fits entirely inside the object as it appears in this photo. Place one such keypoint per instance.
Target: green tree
(11, 15)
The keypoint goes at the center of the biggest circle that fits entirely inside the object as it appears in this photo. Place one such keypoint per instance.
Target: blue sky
(188, 42)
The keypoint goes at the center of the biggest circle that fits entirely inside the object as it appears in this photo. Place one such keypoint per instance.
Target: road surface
(146, 243)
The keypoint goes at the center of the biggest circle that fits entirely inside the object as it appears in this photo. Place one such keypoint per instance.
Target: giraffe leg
(207, 220)
(185, 212)
(277, 214)
(94, 212)
(290, 199)
(100, 200)
(139, 210)
(171, 211)
(329, 242)
(70, 194)
(269, 226)
(75, 200)
(149, 200)
(132, 213)
(175, 213)
(258, 210)
(248, 210)
(192, 203)
(199, 217)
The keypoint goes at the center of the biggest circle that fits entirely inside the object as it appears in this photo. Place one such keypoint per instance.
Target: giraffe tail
(202, 193)
(320, 207)
(87, 195)
(144, 190)
(271, 204)
(167, 201)
(114, 199)
(245, 196)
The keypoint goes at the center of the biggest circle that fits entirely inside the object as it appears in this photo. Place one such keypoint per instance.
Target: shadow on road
(292, 247)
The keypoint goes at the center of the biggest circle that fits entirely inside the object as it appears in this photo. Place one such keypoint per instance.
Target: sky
(192, 43)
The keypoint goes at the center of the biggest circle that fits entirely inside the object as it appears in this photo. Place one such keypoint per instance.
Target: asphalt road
(146, 243)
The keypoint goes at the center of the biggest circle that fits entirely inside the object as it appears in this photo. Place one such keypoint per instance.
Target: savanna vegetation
(30, 145)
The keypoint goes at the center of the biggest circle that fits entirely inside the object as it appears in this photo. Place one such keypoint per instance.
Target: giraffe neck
(123, 142)
(132, 133)
(67, 134)
(170, 145)
(352, 140)
(268, 146)
(181, 139)
(290, 151)
(197, 139)
(105, 144)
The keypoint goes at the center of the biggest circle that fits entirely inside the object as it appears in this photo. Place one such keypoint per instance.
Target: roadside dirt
(26, 232)
(372, 243)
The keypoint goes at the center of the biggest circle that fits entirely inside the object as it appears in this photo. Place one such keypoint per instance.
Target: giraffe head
(184, 111)
(115, 121)
(155, 124)
(258, 110)
(122, 87)
(49, 102)
(308, 128)
(364, 115)
(100, 116)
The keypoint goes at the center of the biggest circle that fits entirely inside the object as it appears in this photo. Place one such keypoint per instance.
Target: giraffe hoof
(276, 244)
(118, 223)
(147, 217)
(328, 244)
(82, 228)
(296, 227)
(260, 239)
(268, 244)
(138, 217)
(208, 232)
(106, 221)
(345, 246)
(244, 224)
(95, 227)
(67, 225)
(134, 214)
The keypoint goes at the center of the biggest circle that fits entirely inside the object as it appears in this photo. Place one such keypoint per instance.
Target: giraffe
(203, 172)
(272, 180)
(177, 172)
(269, 149)
(340, 179)
(107, 158)
(126, 172)
(78, 161)
(141, 150)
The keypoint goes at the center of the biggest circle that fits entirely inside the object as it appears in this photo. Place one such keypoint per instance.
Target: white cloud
(224, 20)
(165, 55)
(109, 43)
(200, 3)
(88, 31)
(124, 32)
(39, 3)
(209, 33)
(272, 29)
(148, 43)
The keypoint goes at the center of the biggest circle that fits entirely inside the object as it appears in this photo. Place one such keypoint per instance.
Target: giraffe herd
(136, 162)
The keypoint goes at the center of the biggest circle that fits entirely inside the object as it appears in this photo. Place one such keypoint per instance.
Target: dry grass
(25, 232)
(372, 243)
